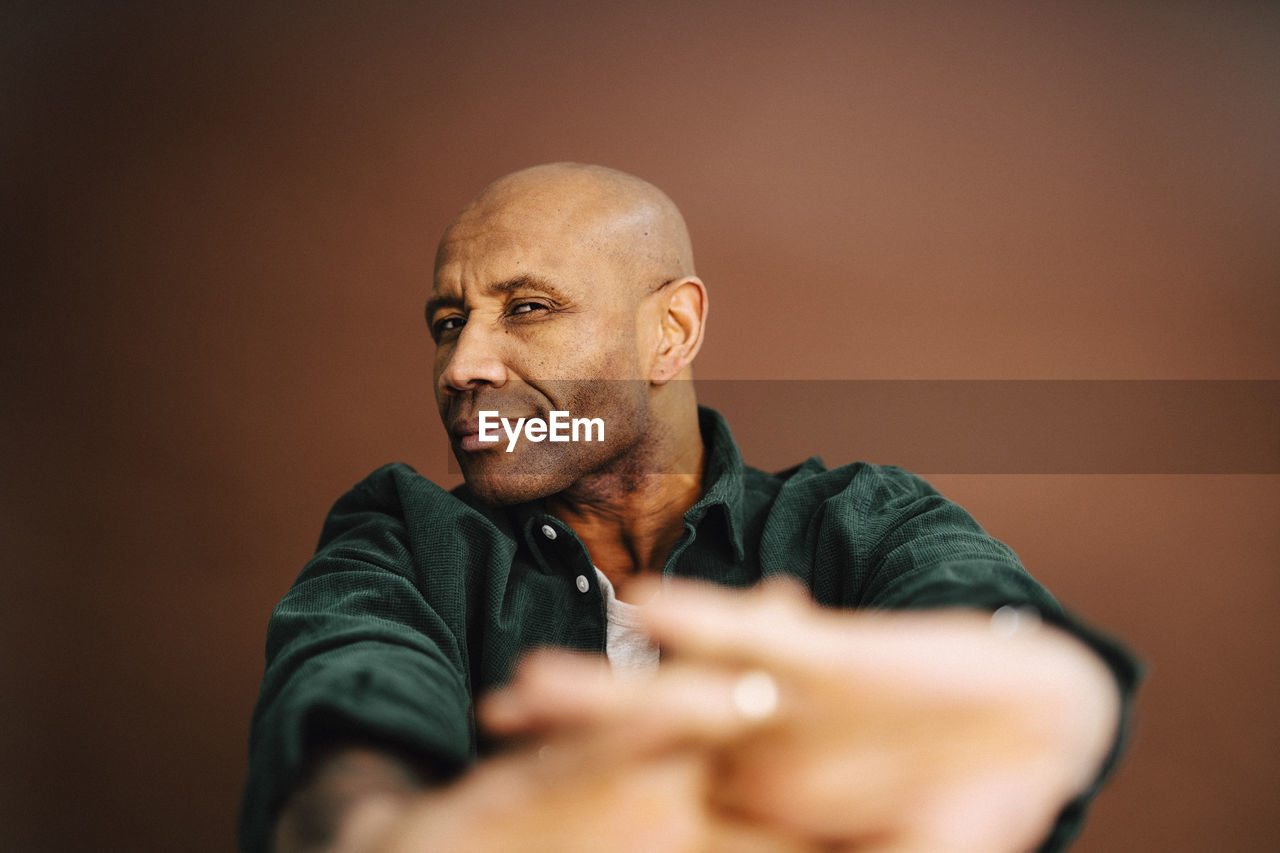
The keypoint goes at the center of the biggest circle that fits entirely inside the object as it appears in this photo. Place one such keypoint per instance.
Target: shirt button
(583, 583)
(549, 532)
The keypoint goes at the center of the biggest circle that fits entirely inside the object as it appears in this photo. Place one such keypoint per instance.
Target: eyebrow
(524, 282)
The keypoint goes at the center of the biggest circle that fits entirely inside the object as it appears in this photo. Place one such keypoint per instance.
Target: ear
(683, 319)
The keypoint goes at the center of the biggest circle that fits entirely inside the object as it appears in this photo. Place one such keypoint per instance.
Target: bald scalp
(622, 217)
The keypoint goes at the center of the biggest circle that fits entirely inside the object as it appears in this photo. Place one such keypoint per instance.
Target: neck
(629, 523)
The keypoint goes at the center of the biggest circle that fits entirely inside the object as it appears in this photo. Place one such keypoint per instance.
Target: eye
(446, 326)
(525, 308)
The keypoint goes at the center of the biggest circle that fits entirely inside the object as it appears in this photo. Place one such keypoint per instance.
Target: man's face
(533, 312)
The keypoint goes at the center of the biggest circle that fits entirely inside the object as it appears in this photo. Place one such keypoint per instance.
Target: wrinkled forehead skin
(551, 215)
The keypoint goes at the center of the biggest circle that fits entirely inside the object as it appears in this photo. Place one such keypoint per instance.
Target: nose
(474, 359)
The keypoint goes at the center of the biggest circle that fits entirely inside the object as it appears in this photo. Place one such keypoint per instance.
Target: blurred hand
(576, 791)
(892, 732)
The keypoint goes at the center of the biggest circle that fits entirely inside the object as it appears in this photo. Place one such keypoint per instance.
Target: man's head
(564, 287)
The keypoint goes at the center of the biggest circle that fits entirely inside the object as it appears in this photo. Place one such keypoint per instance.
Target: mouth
(465, 433)
(462, 420)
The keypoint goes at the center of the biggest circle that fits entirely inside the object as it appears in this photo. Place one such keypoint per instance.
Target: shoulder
(396, 502)
(398, 484)
(878, 535)
(861, 488)
(398, 489)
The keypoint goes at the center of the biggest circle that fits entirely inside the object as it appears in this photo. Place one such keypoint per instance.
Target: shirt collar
(723, 478)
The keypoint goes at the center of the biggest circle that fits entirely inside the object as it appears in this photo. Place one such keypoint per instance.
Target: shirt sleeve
(354, 650)
(914, 549)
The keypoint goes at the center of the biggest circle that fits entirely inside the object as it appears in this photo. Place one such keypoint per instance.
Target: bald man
(866, 669)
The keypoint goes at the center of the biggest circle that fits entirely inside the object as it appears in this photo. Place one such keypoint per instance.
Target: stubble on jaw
(583, 471)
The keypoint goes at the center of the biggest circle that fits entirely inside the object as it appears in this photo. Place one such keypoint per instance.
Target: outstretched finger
(680, 704)
(772, 624)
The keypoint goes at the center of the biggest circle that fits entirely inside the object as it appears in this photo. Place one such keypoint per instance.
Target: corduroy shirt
(419, 600)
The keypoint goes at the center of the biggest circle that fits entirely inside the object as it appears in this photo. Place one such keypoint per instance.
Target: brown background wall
(219, 232)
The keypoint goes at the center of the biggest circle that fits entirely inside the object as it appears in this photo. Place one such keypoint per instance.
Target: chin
(508, 489)
(501, 480)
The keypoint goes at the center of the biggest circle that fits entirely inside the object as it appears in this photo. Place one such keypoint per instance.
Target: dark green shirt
(418, 599)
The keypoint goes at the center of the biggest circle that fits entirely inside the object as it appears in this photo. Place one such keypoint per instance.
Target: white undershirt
(628, 647)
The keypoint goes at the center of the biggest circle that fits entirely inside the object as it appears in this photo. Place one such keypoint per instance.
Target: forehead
(485, 246)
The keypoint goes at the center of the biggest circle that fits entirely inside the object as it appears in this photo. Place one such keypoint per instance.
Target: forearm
(338, 790)
(589, 793)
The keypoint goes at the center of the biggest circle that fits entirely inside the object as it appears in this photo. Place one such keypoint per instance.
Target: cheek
(621, 403)
(609, 349)
(445, 398)
(438, 362)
